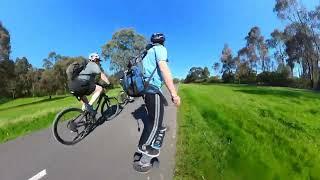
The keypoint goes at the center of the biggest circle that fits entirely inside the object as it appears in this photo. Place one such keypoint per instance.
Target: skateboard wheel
(141, 169)
(137, 156)
(155, 162)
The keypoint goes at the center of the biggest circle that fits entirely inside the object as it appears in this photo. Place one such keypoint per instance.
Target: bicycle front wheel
(69, 126)
(110, 108)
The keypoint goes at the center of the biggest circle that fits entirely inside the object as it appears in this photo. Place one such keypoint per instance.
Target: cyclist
(85, 84)
(156, 57)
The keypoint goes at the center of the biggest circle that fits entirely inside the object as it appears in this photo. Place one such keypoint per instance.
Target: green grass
(26, 115)
(243, 132)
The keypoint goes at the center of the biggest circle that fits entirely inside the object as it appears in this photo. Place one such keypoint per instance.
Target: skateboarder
(153, 133)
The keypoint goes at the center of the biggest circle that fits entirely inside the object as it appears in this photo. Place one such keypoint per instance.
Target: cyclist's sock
(90, 109)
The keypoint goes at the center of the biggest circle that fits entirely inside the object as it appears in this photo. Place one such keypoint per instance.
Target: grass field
(243, 132)
(25, 115)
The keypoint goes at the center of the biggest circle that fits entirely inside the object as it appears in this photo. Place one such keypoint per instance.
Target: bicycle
(124, 98)
(81, 123)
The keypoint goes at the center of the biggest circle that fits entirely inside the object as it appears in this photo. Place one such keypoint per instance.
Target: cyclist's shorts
(79, 87)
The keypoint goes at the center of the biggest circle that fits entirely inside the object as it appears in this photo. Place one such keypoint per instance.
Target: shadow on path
(140, 114)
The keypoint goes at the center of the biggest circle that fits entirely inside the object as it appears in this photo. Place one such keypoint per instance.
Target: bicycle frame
(102, 96)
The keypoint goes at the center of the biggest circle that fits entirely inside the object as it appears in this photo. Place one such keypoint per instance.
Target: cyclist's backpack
(134, 82)
(74, 69)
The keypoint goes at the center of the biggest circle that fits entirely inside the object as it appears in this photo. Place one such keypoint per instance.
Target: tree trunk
(315, 75)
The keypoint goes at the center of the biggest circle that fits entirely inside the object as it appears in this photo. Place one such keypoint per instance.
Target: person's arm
(166, 74)
(98, 70)
(104, 78)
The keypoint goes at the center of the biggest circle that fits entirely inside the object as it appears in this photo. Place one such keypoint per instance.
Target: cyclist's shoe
(72, 126)
(89, 108)
(149, 151)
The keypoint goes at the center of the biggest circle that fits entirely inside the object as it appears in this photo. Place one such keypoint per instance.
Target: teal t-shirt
(155, 54)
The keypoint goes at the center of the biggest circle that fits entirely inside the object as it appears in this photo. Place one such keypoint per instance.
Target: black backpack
(75, 68)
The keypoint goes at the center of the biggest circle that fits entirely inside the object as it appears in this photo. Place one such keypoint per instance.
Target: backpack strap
(149, 79)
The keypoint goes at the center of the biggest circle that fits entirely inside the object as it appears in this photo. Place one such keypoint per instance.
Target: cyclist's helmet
(94, 57)
(158, 38)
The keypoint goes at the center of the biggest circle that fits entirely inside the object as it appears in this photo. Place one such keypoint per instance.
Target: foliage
(297, 46)
(214, 79)
(124, 45)
(197, 74)
(5, 47)
(176, 80)
(228, 77)
(274, 79)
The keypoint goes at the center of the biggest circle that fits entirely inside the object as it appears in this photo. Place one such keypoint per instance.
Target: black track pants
(155, 108)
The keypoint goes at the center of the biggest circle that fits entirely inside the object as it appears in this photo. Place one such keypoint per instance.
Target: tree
(34, 75)
(6, 65)
(7, 74)
(176, 80)
(52, 58)
(5, 47)
(276, 42)
(22, 83)
(48, 83)
(304, 23)
(257, 49)
(227, 60)
(216, 67)
(205, 73)
(124, 45)
(195, 74)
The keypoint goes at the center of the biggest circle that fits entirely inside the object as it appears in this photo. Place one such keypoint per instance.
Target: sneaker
(150, 151)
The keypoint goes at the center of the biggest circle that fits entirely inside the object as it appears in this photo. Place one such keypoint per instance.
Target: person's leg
(151, 125)
(160, 133)
(84, 101)
(98, 90)
(148, 123)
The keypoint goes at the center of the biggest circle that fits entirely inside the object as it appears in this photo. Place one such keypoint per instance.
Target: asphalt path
(106, 153)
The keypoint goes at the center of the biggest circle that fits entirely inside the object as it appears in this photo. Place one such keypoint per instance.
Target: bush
(250, 78)
(176, 80)
(301, 83)
(114, 80)
(228, 77)
(214, 79)
(274, 79)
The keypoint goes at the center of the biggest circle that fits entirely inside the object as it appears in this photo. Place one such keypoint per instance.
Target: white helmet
(94, 56)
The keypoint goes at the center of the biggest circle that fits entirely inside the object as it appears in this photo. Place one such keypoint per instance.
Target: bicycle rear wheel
(70, 126)
(122, 98)
(110, 108)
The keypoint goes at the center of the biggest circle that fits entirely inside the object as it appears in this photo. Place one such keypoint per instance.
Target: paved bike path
(105, 154)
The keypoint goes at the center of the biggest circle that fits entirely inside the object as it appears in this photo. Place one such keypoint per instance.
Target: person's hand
(176, 100)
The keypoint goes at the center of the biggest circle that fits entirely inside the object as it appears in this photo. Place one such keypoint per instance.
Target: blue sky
(196, 30)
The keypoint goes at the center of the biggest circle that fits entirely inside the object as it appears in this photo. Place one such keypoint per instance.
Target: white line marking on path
(39, 175)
